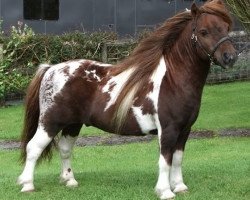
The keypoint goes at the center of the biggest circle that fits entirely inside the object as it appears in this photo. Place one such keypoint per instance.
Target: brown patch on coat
(66, 70)
(143, 101)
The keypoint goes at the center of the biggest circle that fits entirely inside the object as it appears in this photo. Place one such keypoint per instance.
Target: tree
(240, 8)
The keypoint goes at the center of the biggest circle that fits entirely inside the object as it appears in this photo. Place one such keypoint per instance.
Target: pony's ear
(218, 2)
(194, 10)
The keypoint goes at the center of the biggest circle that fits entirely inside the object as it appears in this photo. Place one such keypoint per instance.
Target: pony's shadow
(119, 179)
(112, 179)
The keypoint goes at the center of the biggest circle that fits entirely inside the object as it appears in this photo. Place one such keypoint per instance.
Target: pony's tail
(32, 110)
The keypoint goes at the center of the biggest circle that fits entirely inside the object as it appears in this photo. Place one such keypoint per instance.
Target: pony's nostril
(226, 56)
(229, 58)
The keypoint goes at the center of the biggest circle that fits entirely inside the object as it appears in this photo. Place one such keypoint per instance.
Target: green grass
(11, 120)
(223, 106)
(215, 168)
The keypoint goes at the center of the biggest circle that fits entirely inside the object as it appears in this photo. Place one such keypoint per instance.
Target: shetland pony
(157, 89)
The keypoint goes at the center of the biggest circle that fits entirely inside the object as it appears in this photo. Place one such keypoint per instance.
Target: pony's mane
(146, 56)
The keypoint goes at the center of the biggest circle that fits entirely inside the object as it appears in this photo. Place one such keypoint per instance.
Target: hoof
(69, 182)
(180, 188)
(165, 194)
(28, 187)
(72, 183)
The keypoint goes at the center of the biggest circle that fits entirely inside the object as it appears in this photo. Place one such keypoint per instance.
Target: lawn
(215, 168)
(223, 106)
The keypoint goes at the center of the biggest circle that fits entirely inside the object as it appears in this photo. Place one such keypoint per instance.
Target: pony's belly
(134, 125)
(130, 127)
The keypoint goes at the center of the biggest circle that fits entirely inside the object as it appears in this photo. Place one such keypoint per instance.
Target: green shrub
(24, 51)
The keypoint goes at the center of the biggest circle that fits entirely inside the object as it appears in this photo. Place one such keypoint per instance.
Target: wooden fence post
(1, 52)
(105, 53)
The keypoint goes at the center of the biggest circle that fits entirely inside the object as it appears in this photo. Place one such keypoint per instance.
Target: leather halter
(210, 55)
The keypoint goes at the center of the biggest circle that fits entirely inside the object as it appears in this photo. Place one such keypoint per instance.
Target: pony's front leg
(34, 149)
(65, 145)
(176, 179)
(167, 140)
(162, 187)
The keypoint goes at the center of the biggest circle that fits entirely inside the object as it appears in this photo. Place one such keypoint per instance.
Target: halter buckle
(194, 37)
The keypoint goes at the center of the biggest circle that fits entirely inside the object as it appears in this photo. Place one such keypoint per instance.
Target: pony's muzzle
(229, 59)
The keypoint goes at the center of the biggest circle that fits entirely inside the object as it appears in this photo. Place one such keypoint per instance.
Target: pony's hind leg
(34, 149)
(66, 143)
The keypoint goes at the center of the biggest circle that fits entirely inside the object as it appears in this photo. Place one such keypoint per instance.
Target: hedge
(24, 51)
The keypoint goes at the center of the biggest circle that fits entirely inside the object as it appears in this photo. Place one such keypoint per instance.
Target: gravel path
(118, 139)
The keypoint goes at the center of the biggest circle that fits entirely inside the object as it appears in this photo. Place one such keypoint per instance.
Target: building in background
(126, 17)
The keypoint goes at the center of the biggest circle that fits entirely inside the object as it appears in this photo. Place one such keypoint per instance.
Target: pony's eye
(203, 32)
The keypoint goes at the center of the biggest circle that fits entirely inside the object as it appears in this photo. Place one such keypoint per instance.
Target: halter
(210, 55)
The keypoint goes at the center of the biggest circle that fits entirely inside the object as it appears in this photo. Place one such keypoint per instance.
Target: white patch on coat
(163, 186)
(92, 74)
(176, 179)
(149, 122)
(102, 64)
(65, 145)
(115, 85)
(145, 121)
(156, 79)
(54, 81)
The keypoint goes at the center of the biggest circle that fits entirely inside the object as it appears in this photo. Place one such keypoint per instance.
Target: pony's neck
(184, 63)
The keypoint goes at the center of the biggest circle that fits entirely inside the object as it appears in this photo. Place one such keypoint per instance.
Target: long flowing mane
(146, 56)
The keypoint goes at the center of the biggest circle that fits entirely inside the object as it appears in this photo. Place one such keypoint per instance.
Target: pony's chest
(179, 111)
